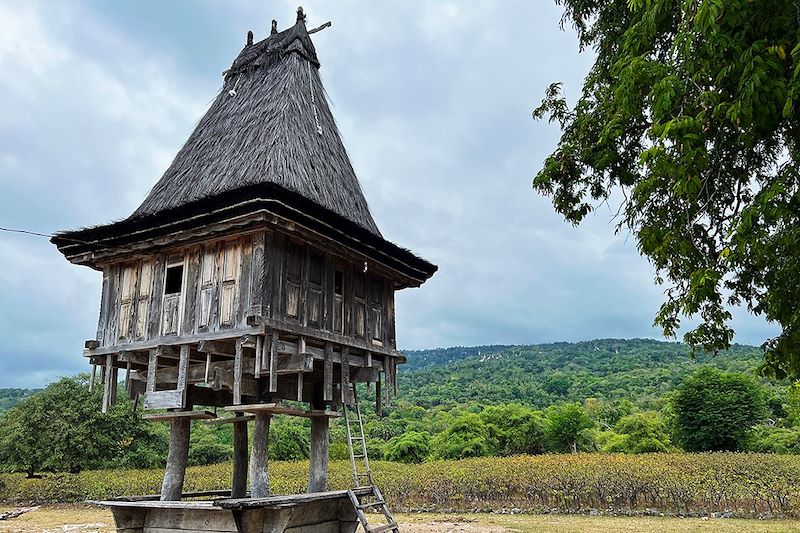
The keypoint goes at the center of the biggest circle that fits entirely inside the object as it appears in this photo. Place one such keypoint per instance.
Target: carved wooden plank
(273, 363)
(327, 373)
(259, 354)
(345, 374)
(378, 398)
(107, 382)
(257, 275)
(237, 374)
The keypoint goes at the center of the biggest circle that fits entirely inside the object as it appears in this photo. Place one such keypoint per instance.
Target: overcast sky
(433, 100)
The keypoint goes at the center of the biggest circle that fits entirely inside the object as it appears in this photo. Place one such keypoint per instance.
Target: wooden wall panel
(193, 265)
(154, 310)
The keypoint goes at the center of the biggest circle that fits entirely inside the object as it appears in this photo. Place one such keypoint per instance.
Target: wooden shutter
(294, 278)
(207, 275)
(231, 266)
(338, 300)
(126, 300)
(143, 298)
(316, 270)
(359, 305)
(376, 309)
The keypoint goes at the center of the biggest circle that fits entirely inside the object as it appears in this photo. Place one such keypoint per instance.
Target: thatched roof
(270, 124)
(268, 142)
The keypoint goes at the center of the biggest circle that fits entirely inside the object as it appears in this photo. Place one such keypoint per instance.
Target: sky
(433, 100)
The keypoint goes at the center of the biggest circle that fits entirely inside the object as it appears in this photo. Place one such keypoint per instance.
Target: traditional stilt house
(252, 274)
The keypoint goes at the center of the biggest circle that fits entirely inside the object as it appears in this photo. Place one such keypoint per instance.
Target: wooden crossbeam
(278, 409)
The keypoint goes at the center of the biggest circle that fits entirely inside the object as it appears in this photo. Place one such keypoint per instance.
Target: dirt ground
(80, 519)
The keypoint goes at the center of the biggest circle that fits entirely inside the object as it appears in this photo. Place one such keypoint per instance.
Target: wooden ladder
(372, 500)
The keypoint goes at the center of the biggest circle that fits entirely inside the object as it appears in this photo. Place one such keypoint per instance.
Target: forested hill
(10, 397)
(640, 370)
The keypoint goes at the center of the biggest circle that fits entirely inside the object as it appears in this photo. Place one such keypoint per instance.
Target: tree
(714, 411)
(689, 119)
(289, 441)
(62, 429)
(643, 432)
(565, 426)
(468, 436)
(514, 429)
(411, 447)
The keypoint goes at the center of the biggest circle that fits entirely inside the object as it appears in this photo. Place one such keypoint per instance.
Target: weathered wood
(172, 415)
(364, 375)
(273, 363)
(327, 373)
(257, 274)
(107, 382)
(276, 502)
(94, 376)
(8, 515)
(378, 398)
(191, 291)
(320, 444)
(231, 420)
(259, 456)
(237, 373)
(172, 486)
(259, 354)
(239, 485)
(345, 374)
(278, 409)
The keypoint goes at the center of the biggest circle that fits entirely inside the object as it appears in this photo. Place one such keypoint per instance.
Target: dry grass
(80, 519)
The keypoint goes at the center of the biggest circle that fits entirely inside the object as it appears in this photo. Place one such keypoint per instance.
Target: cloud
(433, 100)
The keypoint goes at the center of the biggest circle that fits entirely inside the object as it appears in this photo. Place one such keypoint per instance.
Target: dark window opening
(338, 282)
(174, 279)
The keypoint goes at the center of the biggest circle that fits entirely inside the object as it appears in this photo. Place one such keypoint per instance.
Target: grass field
(80, 519)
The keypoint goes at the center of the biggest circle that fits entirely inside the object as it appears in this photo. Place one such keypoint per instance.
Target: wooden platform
(322, 512)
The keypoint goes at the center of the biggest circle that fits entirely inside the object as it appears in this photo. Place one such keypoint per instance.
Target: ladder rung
(373, 504)
(356, 438)
(382, 528)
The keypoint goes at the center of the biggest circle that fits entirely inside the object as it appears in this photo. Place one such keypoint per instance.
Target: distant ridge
(543, 374)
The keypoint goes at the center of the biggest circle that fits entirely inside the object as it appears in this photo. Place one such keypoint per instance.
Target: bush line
(744, 485)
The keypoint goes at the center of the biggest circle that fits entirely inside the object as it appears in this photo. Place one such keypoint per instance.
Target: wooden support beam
(175, 472)
(259, 354)
(320, 445)
(239, 485)
(107, 382)
(94, 376)
(378, 399)
(259, 457)
(345, 375)
(327, 373)
(237, 372)
(273, 362)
